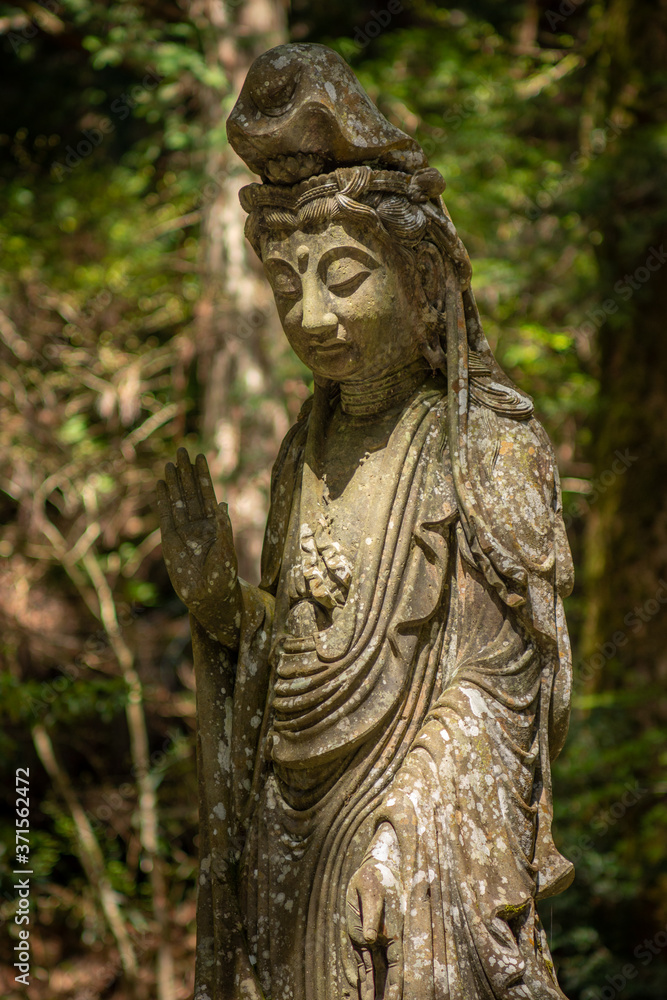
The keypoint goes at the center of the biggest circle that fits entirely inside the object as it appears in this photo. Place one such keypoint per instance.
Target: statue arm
(231, 700)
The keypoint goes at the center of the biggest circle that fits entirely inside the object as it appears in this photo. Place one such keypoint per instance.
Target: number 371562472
(22, 813)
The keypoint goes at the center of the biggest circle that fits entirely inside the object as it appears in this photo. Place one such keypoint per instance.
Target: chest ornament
(323, 573)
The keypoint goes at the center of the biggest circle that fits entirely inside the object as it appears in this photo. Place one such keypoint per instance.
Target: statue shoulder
(503, 444)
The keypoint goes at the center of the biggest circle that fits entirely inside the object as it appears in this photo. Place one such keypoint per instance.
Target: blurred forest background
(134, 319)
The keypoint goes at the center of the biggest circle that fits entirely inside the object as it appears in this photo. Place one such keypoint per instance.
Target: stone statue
(378, 718)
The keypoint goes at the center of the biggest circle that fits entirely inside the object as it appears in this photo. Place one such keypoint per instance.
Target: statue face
(346, 301)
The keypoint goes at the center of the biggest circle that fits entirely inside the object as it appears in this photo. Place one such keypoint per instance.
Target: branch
(11, 336)
(90, 855)
(148, 809)
(72, 560)
(182, 222)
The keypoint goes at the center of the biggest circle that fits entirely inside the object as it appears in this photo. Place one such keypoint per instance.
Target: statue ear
(431, 269)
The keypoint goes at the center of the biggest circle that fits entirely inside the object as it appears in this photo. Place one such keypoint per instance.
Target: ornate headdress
(305, 125)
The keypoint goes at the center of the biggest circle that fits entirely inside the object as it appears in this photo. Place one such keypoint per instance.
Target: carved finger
(164, 508)
(222, 514)
(366, 974)
(225, 537)
(189, 489)
(177, 503)
(394, 985)
(354, 926)
(371, 914)
(205, 484)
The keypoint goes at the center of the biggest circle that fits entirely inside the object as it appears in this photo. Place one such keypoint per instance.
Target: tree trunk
(625, 632)
(236, 322)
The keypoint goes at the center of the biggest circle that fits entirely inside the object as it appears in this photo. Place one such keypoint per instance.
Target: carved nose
(323, 327)
(317, 319)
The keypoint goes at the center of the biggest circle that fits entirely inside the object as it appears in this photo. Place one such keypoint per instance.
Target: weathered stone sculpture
(378, 719)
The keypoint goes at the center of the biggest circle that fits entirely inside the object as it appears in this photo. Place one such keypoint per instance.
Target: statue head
(348, 220)
(346, 264)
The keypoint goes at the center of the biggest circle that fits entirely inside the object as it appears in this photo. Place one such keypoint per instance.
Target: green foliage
(62, 699)
(610, 816)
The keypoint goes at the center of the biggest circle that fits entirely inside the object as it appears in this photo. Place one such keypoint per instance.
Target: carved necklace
(388, 391)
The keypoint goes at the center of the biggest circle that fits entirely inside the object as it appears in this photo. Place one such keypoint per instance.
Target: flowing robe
(417, 698)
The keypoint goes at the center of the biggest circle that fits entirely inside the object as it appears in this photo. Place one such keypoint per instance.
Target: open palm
(197, 543)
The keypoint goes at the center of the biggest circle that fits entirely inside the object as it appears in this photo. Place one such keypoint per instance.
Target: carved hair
(405, 208)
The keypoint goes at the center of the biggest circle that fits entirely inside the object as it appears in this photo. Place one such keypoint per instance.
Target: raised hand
(375, 907)
(198, 546)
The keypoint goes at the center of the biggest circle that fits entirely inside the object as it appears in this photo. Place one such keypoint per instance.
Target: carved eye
(345, 275)
(284, 280)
